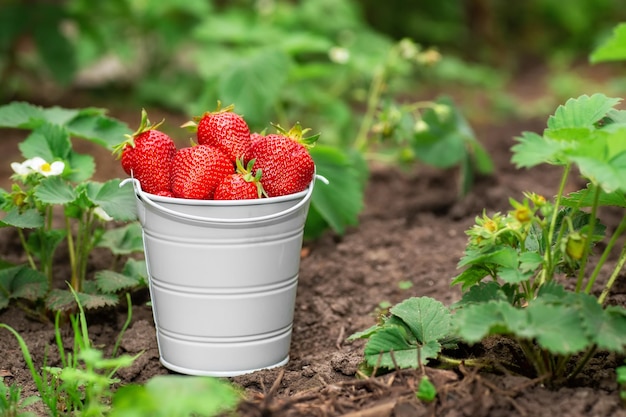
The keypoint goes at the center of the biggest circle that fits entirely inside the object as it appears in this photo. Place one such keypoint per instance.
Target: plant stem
(560, 365)
(72, 254)
(548, 268)
(452, 362)
(588, 242)
(86, 245)
(31, 261)
(614, 275)
(536, 361)
(582, 362)
(129, 317)
(373, 98)
(609, 247)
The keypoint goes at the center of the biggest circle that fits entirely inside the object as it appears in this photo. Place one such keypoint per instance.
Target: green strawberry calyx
(192, 125)
(296, 133)
(144, 126)
(251, 176)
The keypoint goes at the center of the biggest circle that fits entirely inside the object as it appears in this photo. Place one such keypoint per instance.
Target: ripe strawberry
(284, 160)
(147, 156)
(242, 185)
(224, 129)
(196, 171)
(255, 137)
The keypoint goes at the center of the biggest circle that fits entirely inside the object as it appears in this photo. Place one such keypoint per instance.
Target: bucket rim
(224, 203)
(302, 199)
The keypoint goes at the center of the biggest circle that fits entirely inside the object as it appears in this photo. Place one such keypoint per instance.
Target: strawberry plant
(53, 201)
(538, 274)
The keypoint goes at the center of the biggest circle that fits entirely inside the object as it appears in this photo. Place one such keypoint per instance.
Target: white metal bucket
(223, 277)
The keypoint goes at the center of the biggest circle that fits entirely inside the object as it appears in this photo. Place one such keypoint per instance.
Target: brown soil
(412, 229)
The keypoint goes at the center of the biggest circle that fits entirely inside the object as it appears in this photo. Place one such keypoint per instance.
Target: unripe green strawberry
(575, 245)
(196, 171)
(224, 129)
(242, 185)
(284, 160)
(147, 156)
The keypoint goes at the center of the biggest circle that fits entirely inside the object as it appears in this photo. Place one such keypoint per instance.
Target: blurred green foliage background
(277, 58)
(361, 72)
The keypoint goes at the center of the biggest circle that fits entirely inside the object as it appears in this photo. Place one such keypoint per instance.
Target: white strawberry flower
(46, 169)
(23, 169)
(101, 214)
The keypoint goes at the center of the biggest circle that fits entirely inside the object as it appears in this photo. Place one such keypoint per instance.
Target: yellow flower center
(46, 167)
(522, 214)
(491, 226)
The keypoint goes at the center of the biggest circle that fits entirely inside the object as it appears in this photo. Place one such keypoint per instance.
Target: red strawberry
(255, 137)
(284, 160)
(242, 185)
(147, 156)
(196, 171)
(224, 129)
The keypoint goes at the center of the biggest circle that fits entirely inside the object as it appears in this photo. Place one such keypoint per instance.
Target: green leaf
(23, 282)
(305, 43)
(340, 202)
(53, 190)
(533, 149)
(175, 395)
(365, 334)
(582, 112)
(609, 175)
(481, 293)
(405, 285)
(476, 321)
(392, 345)
(428, 319)
(118, 202)
(82, 167)
(426, 390)
(552, 291)
(255, 83)
(88, 123)
(471, 276)
(110, 282)
(611, 334)
(514, 275)
(585, 198)
(93, 125)
(557, 328)
(137, 269)
(29, 219)
(501, 255)
(123, 240)
(48, 141)
(613, 48)
(43, 243)
(63, 300)
(530, 261)
(505, 256)
(443, 144)
(24, 115)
